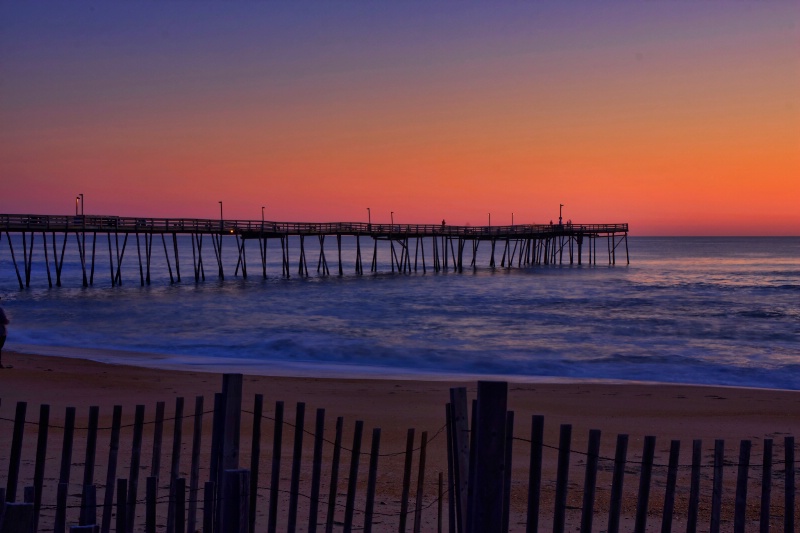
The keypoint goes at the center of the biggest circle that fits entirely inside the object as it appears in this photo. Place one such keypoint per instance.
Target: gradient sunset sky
(680, 118)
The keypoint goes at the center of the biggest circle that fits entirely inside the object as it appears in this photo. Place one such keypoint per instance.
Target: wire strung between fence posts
(392, 454)
(311, 434)
(107, 428)
(166, 499)
(660, 465)
(195, 415)
(161, 500)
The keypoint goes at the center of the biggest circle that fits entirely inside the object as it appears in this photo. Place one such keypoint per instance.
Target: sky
(677, 117)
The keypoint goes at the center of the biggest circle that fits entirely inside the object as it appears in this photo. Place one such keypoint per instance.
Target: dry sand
(637, 409)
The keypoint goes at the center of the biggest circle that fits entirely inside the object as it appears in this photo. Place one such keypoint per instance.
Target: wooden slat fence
(486, 477)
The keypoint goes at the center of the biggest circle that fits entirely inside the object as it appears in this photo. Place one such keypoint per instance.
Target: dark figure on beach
(3, 322)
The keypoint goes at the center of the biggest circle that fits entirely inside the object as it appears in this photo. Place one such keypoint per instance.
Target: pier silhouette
(451, 247)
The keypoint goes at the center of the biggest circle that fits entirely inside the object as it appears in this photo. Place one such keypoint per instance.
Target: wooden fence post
(194, 476)
(122, 505)
(216, 437)
(158, 437)
(275, 475)
(406, 479)
(231, 424)
(209, 506)
(423, 447)
(562, 478)
(180, 505)
(232, 393)
(17, 518)
(297, 457)
(487, 494)
(644, 484)
(590, 480)
(669, 491)
(766, 486)
(16, 456)
(694, 490)
(235, 513)
(88, 466)
(472, 458)
(535, 473)
(352, 482)
(716, 494)
(461, 453)
(333, 489)
(133, 482)
(789, 492)
(740, 508)
(617, 483)
(255, 457)
(66, 447)
(451, 480)
(316, 472)
(151, 499)
(60, 520)
(218, 428)
(372, 479)
(175, 463)
(507, 458)
(89, 506)
(41, 456)
(111, 472)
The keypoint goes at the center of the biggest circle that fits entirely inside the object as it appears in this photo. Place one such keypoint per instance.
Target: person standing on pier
(3, 322)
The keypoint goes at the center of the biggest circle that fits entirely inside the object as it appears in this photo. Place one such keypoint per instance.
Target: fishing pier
(450, 248)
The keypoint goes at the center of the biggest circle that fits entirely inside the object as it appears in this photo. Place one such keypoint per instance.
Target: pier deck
(523, 244)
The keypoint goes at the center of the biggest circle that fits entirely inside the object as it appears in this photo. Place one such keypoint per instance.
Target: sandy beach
(669, 412)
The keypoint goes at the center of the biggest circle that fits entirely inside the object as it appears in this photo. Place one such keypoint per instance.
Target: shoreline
(247, 367)
(300, 369)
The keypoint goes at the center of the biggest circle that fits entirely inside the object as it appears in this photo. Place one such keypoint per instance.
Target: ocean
(716, 311)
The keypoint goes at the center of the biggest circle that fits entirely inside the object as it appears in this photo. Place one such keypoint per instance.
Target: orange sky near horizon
(679, 119)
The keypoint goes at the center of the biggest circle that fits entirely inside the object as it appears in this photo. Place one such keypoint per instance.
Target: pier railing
(255, 228)
(496, 479)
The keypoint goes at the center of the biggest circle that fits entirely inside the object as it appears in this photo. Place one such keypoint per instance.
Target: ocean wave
(668, 319)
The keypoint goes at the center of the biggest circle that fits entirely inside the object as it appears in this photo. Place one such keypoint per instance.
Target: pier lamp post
(369, 220)
(560, 206)
(77, 199)
(490, 219)
(220, 215)
(262, 215)
(512, 218)
(83, 238)
(392, 217)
